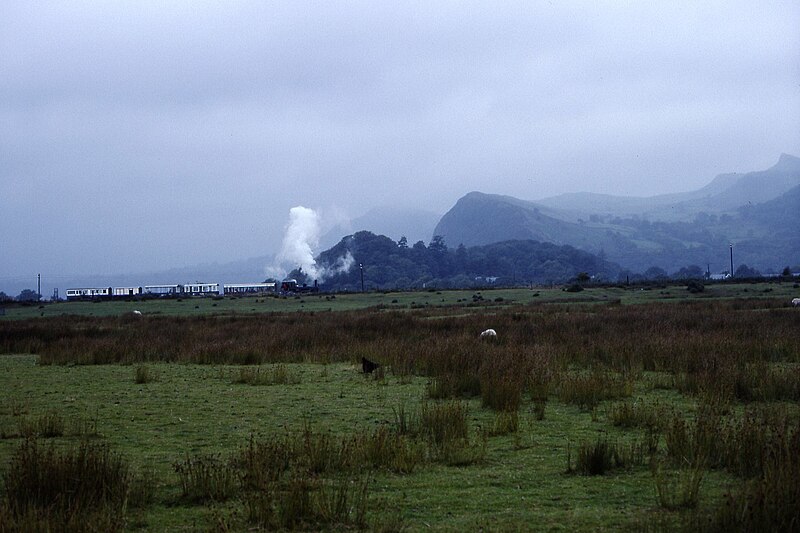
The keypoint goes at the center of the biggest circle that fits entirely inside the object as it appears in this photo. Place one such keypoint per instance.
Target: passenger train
(170, 291)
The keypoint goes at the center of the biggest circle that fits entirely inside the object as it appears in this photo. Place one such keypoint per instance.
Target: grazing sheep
(136, 312)
(368, 366)
(796, 302)
(488, 334)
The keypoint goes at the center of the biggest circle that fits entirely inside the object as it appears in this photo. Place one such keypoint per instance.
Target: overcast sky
(139, 135)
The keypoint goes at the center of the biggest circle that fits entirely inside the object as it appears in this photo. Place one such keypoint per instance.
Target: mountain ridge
(693, 230)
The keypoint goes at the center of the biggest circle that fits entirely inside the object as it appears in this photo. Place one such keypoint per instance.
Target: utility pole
(361, 267)
(38, 287)
(731, 259)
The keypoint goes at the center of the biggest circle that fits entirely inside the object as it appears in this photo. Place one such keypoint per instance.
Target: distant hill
(395, 222)
(723, 194)
(388, 265)
(756, 211)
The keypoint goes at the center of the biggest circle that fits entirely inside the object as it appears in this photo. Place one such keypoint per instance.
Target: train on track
(171, 290)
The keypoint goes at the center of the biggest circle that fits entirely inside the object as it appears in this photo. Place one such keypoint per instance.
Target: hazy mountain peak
(756, 210)
(787, 162)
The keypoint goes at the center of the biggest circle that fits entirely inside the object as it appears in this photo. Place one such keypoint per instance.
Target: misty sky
(138, 136)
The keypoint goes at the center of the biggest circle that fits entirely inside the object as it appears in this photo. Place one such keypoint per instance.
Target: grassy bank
(581, 417)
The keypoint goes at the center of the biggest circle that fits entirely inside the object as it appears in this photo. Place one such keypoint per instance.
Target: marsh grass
(767, 502)
(144, 374)
(505, 423)
(48, 425)
(598, 457)
(206, 478)
(85, 488)
(501, 390)
(444, 423)
(726, 356)
(303, 503)
(588, 390)
(678, 489)
(638, 414)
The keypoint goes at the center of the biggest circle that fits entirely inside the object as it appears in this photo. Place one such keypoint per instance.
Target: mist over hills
(756, 211)
(723, 194)
(759, 212)
(394, 222)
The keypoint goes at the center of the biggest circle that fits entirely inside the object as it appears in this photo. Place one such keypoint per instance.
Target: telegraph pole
(38, 287)
(731, 259)
(361, 267)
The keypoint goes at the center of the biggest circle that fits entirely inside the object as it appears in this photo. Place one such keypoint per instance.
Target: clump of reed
(454, 385)
(206, 478)
(48, 425)
(143, 374)
(587, 390)
(597, 457)
(501, 390)
(678, 489)
(638, 414)
(313, 480)
(768, 502)
(85, 488)
(505, 423)
(443, 427)
(308, 503)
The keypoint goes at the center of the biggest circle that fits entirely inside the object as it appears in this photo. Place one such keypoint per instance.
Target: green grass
(196, 410)
(491, 298)
(590, 366)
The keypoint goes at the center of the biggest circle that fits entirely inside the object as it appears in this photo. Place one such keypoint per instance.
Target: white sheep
(488, 334)
(136, 312)
(796, 302)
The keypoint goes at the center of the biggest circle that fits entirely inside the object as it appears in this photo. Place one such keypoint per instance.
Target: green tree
(402, 243)
(655, 273)
(437, 245)
(28, 295)
(744, 271)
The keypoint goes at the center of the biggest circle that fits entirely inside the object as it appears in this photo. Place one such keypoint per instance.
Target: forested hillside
(389, 264)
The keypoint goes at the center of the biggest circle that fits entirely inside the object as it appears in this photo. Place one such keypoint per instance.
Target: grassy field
(404, 300)
(585, 415)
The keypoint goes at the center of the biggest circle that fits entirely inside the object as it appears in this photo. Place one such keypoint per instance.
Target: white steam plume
(299, 244)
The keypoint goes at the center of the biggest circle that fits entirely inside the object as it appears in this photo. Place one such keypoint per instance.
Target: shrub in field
(48, 425)
(694, 444)
(505, 422)
(638, 414)
(748, 444)
(206, 478)
(768, 502)
(678, 489)
(405, 423)
(445, 428)
(588, 390)
(143, 374)
(442, 423)
(454, 385)
(595, 458)
(501, 390)
(307, 503)
(70, 490)
(387, 449)
(263, 462)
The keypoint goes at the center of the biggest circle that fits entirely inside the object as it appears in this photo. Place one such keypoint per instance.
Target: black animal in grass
(367, 366)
